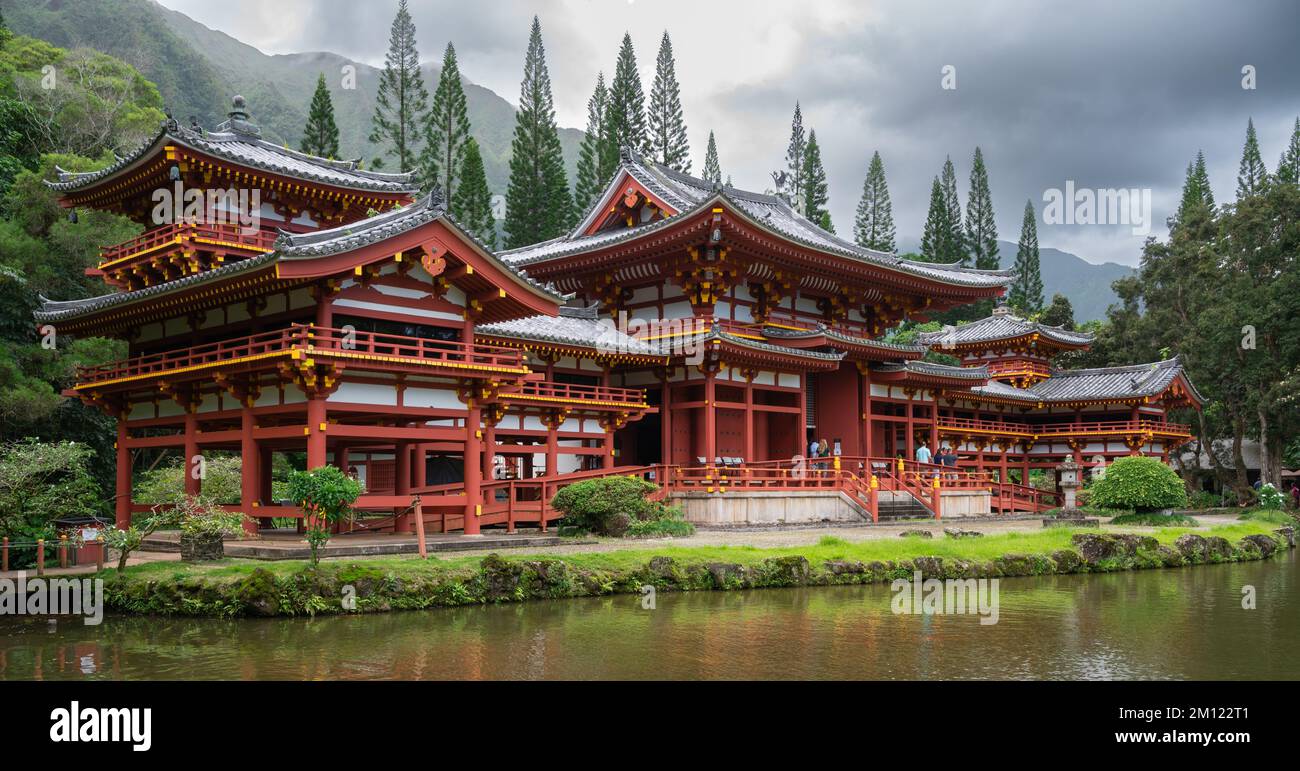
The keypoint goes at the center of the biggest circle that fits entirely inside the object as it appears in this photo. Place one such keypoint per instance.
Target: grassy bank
(256, 588)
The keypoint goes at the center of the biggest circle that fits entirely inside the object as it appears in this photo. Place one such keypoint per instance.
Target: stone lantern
(1067, 476)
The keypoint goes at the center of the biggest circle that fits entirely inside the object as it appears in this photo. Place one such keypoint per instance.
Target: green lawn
(637, 555)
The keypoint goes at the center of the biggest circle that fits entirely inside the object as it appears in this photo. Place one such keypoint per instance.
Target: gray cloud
(1107, 94)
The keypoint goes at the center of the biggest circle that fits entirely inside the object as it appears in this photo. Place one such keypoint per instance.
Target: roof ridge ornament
(237, 119)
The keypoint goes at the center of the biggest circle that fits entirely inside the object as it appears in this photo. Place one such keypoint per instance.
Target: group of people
(946, 456)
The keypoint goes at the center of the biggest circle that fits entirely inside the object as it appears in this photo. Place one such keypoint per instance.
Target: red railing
(999, 368)
(312, 340)
(545, 390)
(225, 235)
(1071, 428)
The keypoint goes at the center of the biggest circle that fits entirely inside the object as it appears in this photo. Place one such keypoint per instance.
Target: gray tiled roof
(1002, 326)
(579, 327)
(242, 145)
(938, 370)
(1128, 382)
(1136, 380)
(290, 247)
(831, 334)
(717, 333)
(690, 194)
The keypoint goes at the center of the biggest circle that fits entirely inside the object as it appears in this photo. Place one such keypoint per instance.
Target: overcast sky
(1107, 95)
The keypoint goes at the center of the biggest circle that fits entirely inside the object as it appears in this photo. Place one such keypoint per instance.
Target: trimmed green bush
(1139, 483)
(1153, 519)
(608, 505)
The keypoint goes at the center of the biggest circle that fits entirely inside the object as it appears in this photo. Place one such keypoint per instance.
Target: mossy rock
(258, 593)
(1067, 560)
(1169, 557)
(502, 579)
(1192, 547)
(726, 575)
(844, 567)
(1258, 545)
(1015, 565)
(547, 578)
(930, 567)
(1218, 549)
(793, 570)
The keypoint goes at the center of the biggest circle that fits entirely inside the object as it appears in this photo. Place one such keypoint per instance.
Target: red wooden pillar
(801, 430)
(749, 420)
(666, 422)
(552, 445)
(910, 440)
(473, 465)
(250, 471)
(266, 459)
(324, 308)
(710, 418)
(489, 448)
(868, 422)
(122, 509)
(316, 427)
(402, 485)
(419, 468)
(934, 422)
(608, 459)
(193, 482)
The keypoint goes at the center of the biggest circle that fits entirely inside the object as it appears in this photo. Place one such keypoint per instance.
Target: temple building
(696, 334)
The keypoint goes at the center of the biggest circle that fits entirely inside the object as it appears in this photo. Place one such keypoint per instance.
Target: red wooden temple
(697, 334)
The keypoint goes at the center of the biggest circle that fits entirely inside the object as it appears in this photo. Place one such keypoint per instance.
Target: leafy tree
(1026, 293)
(166, 484)
(874, 226)
(473, 204)
(1288, 166)
(815, 195)
(446, 132)
(402, 99)
(1252, 176)
(321, 136)
(538, 206)
(1059, 313)
(954, 239)
(712, 169)
(41, 482)
(589, 183)
(325, 495)
(795, 154)
(668, 143)
(625, 122)
(97, 103)
(1139, 483)
(981, 229)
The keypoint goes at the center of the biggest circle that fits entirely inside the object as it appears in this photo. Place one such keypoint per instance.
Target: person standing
(923, 453)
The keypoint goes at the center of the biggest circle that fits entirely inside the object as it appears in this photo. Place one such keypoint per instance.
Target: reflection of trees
(1184, 623)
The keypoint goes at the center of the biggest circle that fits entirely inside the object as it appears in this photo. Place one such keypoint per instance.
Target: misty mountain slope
(1086, 284)
(198, 69)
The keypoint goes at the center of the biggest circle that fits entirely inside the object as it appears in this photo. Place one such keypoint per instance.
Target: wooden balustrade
(309, 340)
(230, 236)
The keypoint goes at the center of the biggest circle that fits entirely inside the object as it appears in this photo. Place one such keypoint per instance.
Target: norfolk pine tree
(402, 99)
(321, 135)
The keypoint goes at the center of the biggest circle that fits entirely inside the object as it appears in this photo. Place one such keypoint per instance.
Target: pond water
(1180, 623)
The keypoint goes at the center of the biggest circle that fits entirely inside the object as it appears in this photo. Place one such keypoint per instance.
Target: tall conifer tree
(795, 153)
(1026, 294)
(1252, 176)
(625, 115)
(321, 135)
(1288, 166)
(402, 98)
(589, 183)
(816, 194)
(472, 206)
(668, 143)
(1197, 196)
(934, 238)
(538, 205)
(712, 168)
(873, 227)
(981, 230)
(446, 131)
(954, 242)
